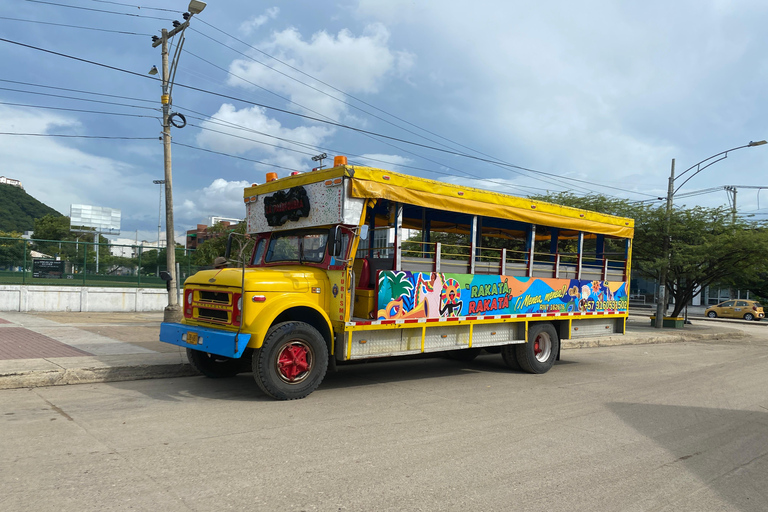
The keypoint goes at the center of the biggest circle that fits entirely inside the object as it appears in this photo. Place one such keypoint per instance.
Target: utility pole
(661, 304)
(172, 310)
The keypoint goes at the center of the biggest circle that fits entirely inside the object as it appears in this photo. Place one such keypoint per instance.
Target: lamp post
(159, 216)
(172, 310)
(661, 305)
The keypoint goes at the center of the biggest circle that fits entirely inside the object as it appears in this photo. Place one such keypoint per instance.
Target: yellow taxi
(737, 308)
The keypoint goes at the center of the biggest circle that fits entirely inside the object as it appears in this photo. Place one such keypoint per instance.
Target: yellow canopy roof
(367, 182)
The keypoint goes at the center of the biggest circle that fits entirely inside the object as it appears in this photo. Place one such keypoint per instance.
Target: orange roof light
(271, 176)
(339, 160)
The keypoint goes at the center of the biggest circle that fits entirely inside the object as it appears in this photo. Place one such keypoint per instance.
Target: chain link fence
(85, 263)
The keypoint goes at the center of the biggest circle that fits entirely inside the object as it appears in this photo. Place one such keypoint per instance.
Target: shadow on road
(727, 450)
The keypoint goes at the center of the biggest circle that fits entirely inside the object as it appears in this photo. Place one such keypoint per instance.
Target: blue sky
(605, 92)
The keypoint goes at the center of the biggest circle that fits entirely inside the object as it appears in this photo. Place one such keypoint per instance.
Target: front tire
(292, 361)
(539, 353)
(213, 366)
(712, 314)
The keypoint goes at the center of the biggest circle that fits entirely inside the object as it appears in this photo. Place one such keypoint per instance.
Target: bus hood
(271, 279)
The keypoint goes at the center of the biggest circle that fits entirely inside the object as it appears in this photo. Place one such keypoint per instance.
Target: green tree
(209, 250)
(51, 227)
(12, 247)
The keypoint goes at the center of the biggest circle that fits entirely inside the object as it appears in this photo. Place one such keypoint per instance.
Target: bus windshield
(297, 247)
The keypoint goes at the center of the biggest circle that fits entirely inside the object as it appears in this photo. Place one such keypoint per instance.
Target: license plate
(192, 338)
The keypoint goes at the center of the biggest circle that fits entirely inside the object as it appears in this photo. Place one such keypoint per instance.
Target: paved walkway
(48, 349)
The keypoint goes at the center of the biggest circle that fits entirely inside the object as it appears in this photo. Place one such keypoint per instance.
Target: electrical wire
(97, 10)
(340, 125)
(234, 156)
(121, 96)
(77, 136)
(76, 26)
(75, 98)
(77, 110)
(441, 164)
(497, 162)
(136, 6)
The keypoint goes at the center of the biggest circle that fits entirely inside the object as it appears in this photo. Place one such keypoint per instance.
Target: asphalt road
(680, 427)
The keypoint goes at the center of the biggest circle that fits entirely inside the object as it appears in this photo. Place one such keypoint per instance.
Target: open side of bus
(354, 263)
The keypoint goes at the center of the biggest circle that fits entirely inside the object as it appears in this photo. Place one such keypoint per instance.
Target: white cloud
(357, 64)
(270, 148)
(221, 198)
(59, 175)
(257, 21)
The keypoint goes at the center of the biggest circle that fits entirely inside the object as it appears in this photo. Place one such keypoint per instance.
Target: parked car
(739, 308)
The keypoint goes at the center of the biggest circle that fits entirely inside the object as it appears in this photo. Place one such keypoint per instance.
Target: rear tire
(214, 366)
(749, 317)
(508, 353)
(292, 361)
(712, 314)
(539, 353)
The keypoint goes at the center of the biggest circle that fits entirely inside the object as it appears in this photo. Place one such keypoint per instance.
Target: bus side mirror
(364, 232)
(334, 241)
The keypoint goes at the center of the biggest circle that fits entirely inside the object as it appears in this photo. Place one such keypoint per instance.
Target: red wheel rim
(294, 362)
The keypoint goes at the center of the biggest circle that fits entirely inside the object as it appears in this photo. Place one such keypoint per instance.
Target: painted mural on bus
(405, 295)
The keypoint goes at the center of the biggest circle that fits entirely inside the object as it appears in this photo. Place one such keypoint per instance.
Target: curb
(99, 373)
(67, 376)
(615, 341)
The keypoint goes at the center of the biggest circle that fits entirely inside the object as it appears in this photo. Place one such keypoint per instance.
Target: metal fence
(85, 263)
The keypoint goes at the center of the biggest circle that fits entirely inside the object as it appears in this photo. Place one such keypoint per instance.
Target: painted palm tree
(394, 285)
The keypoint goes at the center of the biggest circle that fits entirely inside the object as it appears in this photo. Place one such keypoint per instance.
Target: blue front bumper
(213, 341)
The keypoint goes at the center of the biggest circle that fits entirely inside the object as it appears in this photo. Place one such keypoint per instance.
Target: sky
(519, 97)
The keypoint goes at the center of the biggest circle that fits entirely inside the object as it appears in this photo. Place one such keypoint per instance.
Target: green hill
(18, 210)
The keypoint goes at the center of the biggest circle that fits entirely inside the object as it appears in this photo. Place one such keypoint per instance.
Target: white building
(11, 181)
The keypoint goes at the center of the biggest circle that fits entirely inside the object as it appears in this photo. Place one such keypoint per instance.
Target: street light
(661, 306)
(159, 217)
(172, 310)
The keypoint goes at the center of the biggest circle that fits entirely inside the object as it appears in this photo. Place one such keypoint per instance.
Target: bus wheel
(539, 353)
(508, 353)
(292, 361)
(212, 365)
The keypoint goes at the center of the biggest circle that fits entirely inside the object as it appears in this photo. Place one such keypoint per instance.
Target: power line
(340, 125)
(76, 26)
(136, 6)
(121, 96)
(75, 98)
(77, 136)
(497, 162)
(76, 110)
(316, 148)
(97, 10)
(234, 156)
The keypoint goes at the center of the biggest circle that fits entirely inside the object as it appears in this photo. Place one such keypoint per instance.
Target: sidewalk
(52, 349)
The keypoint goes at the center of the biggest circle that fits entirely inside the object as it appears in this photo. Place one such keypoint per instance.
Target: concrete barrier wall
(76, 298)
